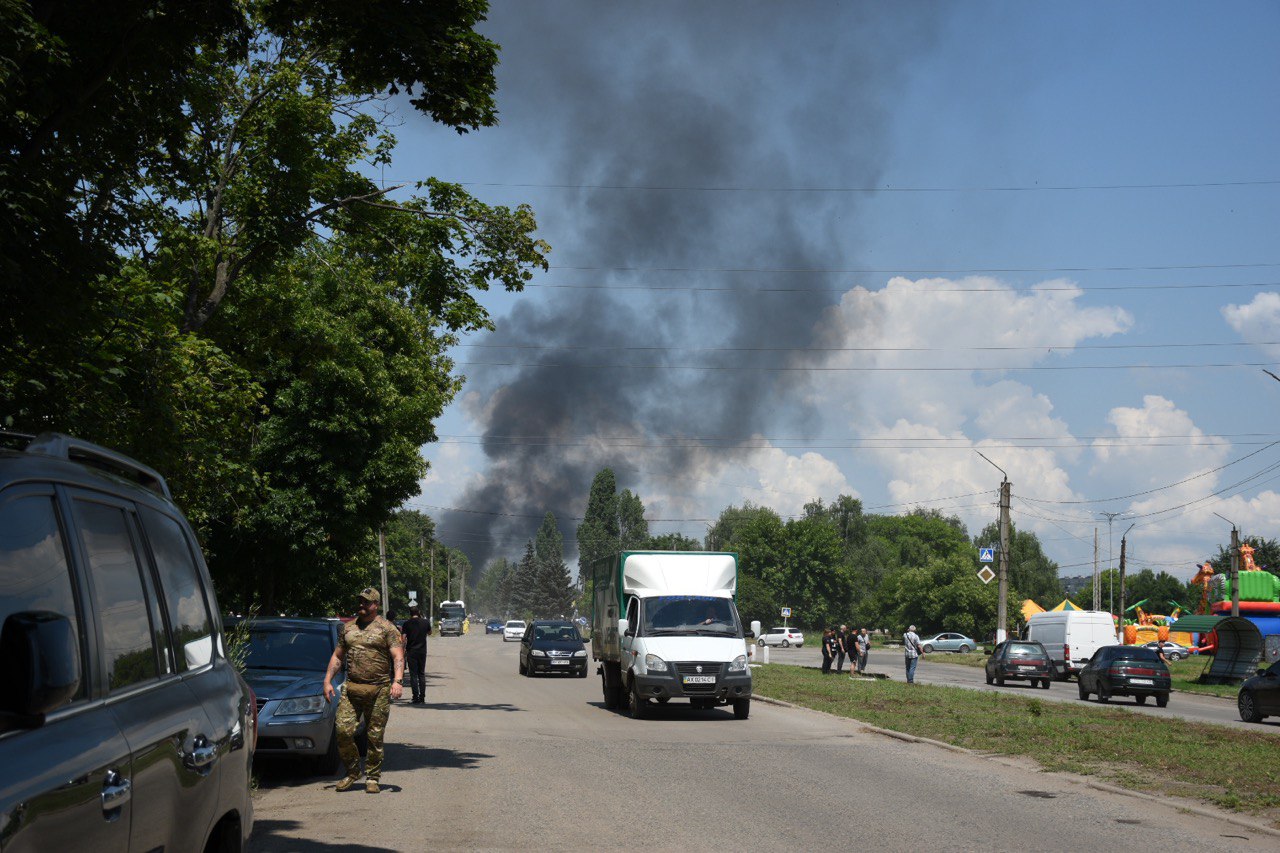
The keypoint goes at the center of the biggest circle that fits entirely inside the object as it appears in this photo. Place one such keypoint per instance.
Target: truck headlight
(653, 663)
(537, 653)
(580, 653)
(738, 664)
(303, 705)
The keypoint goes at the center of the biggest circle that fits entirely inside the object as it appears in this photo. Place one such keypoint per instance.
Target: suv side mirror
(40, 663)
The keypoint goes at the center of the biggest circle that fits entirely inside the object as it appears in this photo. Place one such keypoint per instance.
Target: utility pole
(1096, 580)
(448, 576)
(431, 579)
(382, 563)
(1235, 565)
(1002, 614)
(1111, 579)
(1123, 540)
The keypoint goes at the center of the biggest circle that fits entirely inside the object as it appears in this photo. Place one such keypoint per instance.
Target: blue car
(493, 626)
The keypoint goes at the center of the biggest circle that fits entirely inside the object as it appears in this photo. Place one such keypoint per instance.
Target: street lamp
(1111, 578)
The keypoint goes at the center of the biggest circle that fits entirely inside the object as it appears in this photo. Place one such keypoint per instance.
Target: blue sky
(731, 315)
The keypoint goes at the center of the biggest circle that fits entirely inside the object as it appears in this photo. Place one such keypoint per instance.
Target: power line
(924, 270)
(887, 188)
(843, 288)
(992, 348)
(873, 369)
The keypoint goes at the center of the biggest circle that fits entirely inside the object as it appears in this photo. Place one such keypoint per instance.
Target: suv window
(129, 653)
(34, 574)
(183, 595)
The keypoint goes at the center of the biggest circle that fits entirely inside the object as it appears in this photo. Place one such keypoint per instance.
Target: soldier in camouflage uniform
(372, 648)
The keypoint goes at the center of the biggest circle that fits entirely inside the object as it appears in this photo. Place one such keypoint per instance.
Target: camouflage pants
(373, 702)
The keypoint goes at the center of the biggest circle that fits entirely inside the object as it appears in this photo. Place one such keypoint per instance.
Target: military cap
(371, 595)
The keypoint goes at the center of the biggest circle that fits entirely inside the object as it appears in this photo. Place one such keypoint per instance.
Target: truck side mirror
(624, 628)
(41, 665)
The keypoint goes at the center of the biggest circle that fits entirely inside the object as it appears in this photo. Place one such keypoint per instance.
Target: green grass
(1184, 672)
(1232, 769)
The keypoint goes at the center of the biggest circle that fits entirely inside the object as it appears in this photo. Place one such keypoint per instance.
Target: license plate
(1141, 681)
(559, 663)
(1026, 667)
(699, 679)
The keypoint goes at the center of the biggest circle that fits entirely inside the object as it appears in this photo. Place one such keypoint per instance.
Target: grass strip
(1229, 768)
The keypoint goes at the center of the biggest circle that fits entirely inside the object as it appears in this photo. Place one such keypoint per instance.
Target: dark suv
(122, 724)
(1126, 671)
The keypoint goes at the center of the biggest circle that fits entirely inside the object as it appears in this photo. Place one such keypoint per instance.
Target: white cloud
(1259, 320)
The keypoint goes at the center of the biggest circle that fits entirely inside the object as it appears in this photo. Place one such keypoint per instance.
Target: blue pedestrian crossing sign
(986, 555)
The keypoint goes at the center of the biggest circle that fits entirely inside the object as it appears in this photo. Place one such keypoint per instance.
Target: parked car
(493, 626)
(784, 637)
(1259, 696)
(285, 663)
(122, 723)
(513, 630)
(1125, 671)
(1172, 651)
(553, 646)
(1020, 660)
(949, 643)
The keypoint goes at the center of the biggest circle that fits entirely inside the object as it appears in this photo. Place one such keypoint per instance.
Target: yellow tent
(1065, 605)
(1029, 609)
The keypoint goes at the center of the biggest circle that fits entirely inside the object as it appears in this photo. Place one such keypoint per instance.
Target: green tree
(672, 542)
(409, 536)
(524, 585)
(633, 530)
(492, 587)
(598, 533)
(554, 596)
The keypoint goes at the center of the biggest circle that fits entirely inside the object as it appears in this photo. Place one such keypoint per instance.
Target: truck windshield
(690, 614)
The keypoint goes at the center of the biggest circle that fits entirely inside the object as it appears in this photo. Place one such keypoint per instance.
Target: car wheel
(1141, 698)
(329, 763)
(760, 642)
(989, 679)
(1084, 694)
(741, 709)
(786, 644)
(1104, 694)
(1162, 700)
(639, 704)
(1174, 656)
(964, 650)
(583, 674)
(1248, 707)
(927, 648)
(1000, 681)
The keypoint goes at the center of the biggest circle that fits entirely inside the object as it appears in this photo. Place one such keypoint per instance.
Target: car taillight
(1122, 669)
(1066, 652)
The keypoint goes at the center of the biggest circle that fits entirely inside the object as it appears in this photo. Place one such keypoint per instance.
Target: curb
(1185, 805)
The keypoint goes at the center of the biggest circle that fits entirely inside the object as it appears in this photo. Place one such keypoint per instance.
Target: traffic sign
(786, 612)
(986, 575)
(987, 555)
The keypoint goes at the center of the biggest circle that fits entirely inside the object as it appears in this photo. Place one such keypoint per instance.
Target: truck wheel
(639, 705)
(610, 695)
(741, 709)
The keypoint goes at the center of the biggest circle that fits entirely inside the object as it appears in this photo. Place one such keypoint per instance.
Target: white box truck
(1072, 636)
(664, 626)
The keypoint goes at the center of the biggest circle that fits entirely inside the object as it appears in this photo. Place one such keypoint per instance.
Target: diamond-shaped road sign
(986, 575)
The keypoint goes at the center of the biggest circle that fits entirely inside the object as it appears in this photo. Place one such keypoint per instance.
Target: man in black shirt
(416, 630)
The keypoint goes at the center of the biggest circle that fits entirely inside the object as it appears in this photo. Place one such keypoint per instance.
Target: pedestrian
(844, 646)
(374, 655)
(415, 634)
(862, 647)
(912, 649)
(829, 645)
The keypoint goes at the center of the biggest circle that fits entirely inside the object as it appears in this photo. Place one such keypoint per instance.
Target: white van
(1072, 636)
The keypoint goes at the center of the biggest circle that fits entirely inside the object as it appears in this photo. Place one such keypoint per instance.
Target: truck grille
(683, 669)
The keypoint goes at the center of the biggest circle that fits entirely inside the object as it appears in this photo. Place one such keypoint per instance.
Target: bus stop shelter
(1239, 646)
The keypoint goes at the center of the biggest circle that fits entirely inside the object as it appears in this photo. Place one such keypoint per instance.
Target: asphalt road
(934, 669)
(495, 761)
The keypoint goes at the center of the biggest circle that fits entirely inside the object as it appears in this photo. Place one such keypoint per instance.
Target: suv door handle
(116, 791)
(202, 754)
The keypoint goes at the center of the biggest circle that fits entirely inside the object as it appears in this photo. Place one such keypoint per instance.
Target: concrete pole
(1002, 616)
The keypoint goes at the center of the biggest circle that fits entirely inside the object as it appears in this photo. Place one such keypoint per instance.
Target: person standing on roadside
(374, 655)
(912, 649)
(862, 647)
(415, 633)
(829, 645)
(844, 646)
